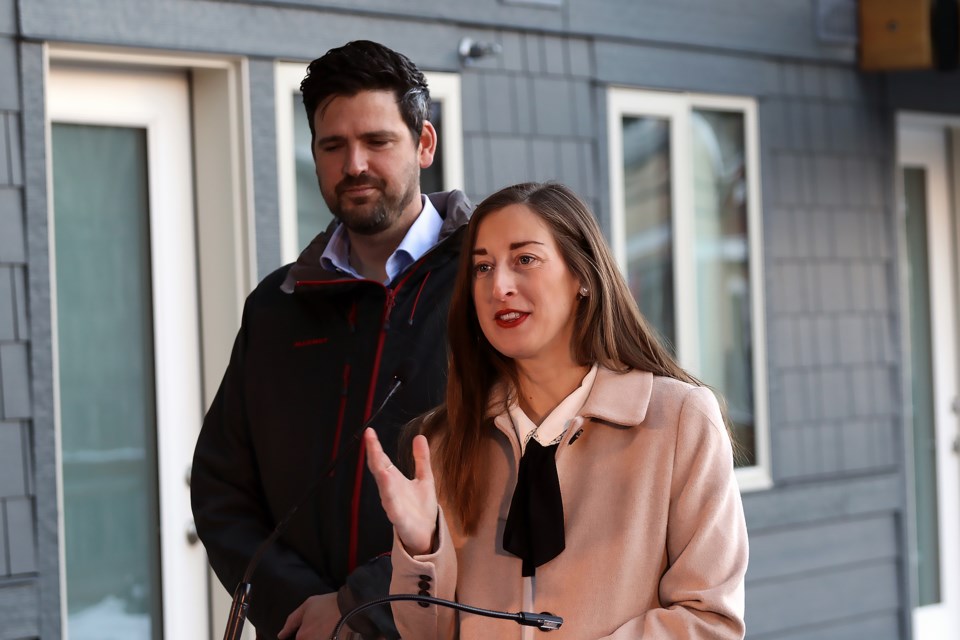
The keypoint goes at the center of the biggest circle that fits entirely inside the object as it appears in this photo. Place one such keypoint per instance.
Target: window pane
(313, 216)
(722, 252)
(431, 178)
(107, 402)
(647, 221)
(921, 363)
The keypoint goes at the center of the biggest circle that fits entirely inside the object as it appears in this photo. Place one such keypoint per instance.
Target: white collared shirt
(421, 237)
(557, 421)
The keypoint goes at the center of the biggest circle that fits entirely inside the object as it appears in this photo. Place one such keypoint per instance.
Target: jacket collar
(453, 206)
(619, 398)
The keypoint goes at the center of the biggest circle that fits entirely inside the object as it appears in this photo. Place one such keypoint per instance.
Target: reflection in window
(648, 224)
(723, 266)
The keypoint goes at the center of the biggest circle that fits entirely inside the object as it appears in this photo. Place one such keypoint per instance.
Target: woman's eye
(526, 260)
(481, 269)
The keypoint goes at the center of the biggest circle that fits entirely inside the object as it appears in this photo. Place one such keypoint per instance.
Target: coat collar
(619, 398)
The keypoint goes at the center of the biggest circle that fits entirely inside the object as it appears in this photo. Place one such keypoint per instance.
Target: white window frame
(677, 108)
(444, 88)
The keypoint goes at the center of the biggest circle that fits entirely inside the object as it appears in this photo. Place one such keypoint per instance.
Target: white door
(931, 242)
(127, 352)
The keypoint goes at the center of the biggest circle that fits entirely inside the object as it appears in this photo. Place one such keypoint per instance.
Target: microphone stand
(241, 596)
(543, 621)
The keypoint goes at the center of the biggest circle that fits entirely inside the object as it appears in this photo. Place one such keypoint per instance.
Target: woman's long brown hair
(609, 330)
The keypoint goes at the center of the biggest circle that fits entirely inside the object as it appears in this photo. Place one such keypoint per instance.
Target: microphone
(241, 596)
(543, 621)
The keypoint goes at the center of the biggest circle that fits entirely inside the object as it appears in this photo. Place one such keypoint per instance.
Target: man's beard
(378, 212)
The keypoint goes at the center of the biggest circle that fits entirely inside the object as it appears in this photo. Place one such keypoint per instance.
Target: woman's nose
(504, 285)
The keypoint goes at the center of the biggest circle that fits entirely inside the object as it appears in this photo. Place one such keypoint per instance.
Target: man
(318, 348)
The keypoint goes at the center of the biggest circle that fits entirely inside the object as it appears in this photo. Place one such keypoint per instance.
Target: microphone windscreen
(405, 371)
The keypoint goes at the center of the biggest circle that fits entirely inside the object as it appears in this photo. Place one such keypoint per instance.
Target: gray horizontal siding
(234, 28)
(760, 27)
(821, 546)
(816, 601)
(795, 569)
(488, 12)
(833, 498)
(870, 626)
(683, 69)
(772, 27)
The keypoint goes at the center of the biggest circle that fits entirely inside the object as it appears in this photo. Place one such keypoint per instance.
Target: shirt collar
(421, 236)
(558, 420)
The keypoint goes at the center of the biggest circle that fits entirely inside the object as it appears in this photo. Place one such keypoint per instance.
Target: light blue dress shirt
(421, 236)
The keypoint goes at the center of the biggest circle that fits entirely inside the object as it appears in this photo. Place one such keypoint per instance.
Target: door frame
(225, 225)
(922, 140)
(157, 102)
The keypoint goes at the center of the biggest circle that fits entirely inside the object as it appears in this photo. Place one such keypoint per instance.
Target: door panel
(129, 391)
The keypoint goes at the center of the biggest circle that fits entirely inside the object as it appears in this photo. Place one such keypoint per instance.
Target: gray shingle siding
(19, 610)
(19, 604)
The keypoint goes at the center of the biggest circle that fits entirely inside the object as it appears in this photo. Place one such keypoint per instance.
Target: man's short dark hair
(363, 65)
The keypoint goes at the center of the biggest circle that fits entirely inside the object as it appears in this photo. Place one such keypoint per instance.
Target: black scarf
(534, 529)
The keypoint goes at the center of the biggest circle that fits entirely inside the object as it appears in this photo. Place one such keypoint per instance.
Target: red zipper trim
(362, 457)
(352, 317)
(417, 299)
(340, 414)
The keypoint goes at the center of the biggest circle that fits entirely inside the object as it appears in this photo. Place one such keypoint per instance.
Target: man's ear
(428, 145)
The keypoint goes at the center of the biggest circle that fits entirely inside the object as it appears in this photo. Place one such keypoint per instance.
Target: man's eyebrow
(383, 133)
(368, 135)
(329, 139)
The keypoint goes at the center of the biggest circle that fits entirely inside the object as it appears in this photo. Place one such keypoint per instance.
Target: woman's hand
(411, 505)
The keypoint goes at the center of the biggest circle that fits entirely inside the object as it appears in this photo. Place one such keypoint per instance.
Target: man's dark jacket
(314, 357)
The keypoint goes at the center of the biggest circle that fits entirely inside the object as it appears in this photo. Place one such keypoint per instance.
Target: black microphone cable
(241, 596)
(543, 621)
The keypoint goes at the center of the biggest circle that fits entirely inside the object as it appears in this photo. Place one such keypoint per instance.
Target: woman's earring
(584, 292)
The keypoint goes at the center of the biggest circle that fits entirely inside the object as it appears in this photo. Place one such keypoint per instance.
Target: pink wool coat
(656, 545)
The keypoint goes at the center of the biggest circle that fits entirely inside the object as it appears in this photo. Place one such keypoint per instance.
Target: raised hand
(411, 505)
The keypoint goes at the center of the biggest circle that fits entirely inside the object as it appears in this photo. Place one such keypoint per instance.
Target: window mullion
(684, 265)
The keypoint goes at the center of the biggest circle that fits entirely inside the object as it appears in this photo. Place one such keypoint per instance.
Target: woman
(579, 470)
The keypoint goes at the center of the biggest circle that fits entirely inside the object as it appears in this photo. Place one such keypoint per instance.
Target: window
(685, 206)
(303, 214)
